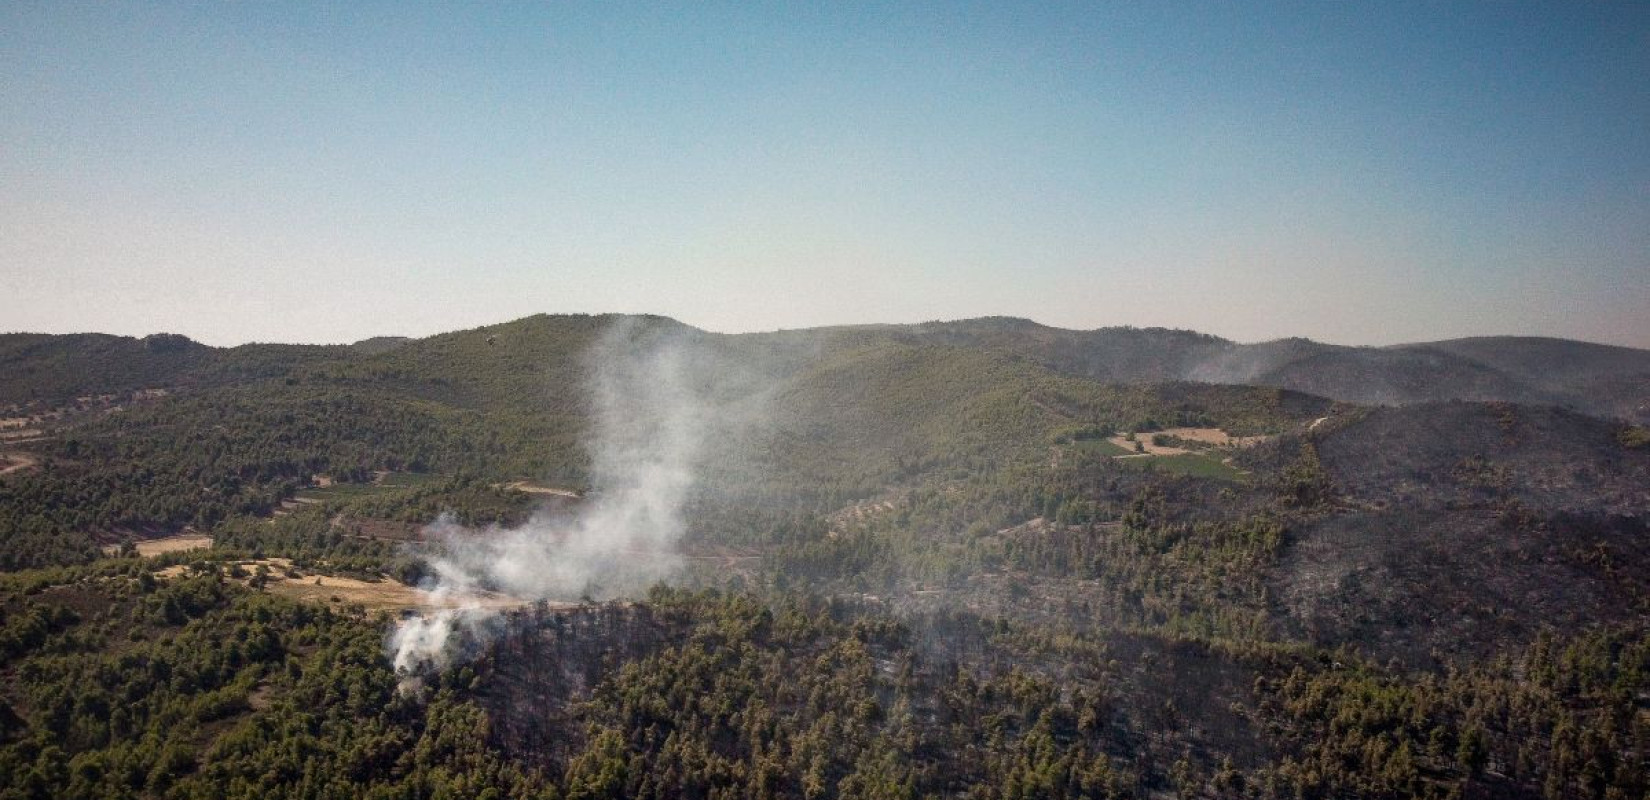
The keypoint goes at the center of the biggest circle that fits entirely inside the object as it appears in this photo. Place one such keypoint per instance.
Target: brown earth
(166, 544)
(529, 488)
(382, 594)
(15, 461)
(1214, 437)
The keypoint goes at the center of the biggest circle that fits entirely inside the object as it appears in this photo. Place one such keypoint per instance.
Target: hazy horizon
(415, 336)
(308, 173)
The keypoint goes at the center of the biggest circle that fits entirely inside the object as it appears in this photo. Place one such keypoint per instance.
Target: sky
(1358, 173)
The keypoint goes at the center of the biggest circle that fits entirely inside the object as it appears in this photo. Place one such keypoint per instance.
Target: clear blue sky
(1354, 172)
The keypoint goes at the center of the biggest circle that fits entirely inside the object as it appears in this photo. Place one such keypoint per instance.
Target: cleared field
(326, 489)
(15, 462)
(529, 488)
(166, 544)
(1193, 464)
(1212, 437)
(383, 594)
(1142, 445)
(339, 491)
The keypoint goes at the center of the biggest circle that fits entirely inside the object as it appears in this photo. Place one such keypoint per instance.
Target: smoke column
(648, 423)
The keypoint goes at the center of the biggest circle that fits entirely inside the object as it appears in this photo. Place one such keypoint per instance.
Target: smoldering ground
(657, 395)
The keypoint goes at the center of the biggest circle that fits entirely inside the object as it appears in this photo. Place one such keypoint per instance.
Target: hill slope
(508, 361)
(1466, 528)
(1595, 379)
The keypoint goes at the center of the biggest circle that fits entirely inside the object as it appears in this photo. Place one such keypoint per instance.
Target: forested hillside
(978, 559)
(1601, 380)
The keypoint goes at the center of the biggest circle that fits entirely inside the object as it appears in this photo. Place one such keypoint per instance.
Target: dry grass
(524, 486)
(1214, 437)
(383, 594)
(15, 462)
(166, 544)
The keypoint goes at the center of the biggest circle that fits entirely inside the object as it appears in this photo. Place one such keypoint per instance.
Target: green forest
(913, 564)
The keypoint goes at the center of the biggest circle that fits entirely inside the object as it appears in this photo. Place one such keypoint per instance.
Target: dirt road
(16, 461)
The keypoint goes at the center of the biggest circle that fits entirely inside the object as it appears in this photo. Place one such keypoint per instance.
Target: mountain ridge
(1602, 380)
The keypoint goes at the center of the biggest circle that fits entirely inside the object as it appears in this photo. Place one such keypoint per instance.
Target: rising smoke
(649, 422)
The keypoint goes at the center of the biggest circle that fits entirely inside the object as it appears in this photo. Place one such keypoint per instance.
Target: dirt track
(524, 486)
(15, 461)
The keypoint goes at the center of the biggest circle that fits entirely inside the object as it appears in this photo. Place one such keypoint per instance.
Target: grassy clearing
(166, 544)
(410, 480)
(343, 491)
(529, 488)
(390, 482)
(1193, 464)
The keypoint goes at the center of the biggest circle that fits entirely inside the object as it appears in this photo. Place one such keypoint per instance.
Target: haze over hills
(1601, 380)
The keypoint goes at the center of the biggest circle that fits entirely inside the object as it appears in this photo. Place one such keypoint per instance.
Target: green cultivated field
(1193, 464)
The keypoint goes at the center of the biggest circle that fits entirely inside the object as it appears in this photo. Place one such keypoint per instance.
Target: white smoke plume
(648, 428)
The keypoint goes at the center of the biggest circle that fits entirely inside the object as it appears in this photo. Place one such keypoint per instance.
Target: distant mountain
(1595, 379)
(505, 361)
(58, 369)
(380, 344)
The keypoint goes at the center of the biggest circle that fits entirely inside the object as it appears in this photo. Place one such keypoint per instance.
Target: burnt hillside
(1476, 453)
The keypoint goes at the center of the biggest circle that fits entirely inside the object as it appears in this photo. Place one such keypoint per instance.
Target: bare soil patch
(1214, 437)
(530, 488)
(730, 558)
(261, 698)
(166, 544)
(382, 594)
(292, 504)
(861, 512)
(15, 461)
